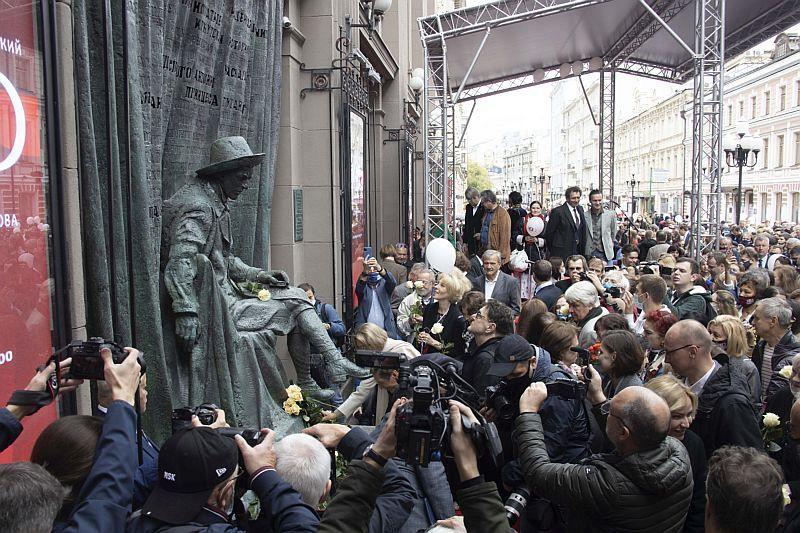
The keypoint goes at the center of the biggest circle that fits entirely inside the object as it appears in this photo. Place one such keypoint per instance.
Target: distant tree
(478, 177)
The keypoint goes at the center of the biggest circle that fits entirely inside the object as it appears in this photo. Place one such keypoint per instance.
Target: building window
(765, 153)
(753, 106)
(797, 93)
(766, 103)
(780, 151)
(730, 115)
(797, 148)
(741, 109)
(782, 101)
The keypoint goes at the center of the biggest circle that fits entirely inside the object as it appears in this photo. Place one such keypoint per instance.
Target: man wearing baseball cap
(197, 473)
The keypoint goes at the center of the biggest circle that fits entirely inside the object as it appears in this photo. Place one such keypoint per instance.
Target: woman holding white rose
(443, 326)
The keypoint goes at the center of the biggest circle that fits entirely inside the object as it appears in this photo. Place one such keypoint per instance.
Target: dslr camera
(612, 292)
(422, 425)
(207, 413)
(86, 360)
(501, 399)
(648, 267)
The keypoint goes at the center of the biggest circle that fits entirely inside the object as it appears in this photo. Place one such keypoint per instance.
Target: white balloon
(535, 226)
(441, 255)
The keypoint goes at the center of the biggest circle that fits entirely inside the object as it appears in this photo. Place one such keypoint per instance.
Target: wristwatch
(375, 456)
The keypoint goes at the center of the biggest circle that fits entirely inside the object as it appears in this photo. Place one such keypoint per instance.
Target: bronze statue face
(234, 182)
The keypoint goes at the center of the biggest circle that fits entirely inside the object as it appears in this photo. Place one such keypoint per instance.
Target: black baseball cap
(511, 350)
(190, 464)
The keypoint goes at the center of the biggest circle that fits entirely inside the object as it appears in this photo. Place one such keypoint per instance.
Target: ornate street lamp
(632, 183)
(741, 151)
(542, 178)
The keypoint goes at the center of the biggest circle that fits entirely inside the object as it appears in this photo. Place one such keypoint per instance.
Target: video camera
(207, 413)
(422, 425)
(500, 398)
(86, 360)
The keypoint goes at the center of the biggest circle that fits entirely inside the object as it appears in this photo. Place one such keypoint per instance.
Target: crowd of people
(632, 388)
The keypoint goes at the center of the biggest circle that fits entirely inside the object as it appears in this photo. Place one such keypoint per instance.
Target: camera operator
(32, 398)
(101, 500)
(198, 470)
(646, 481)
(567, 431)
(354, 504)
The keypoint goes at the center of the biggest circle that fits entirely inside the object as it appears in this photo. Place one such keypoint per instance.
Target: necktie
(575, 215)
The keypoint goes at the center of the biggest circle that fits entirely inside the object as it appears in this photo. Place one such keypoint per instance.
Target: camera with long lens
(515, 504)
(207, 414)
(648, 267)
(86, 360)
(422, 425)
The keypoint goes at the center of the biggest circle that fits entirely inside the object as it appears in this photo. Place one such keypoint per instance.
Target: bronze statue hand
(273, 278)
(186, 327)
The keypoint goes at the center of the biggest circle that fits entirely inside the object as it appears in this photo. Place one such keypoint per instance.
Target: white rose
(409, 284)
(437, 328)
(771, 420)
(786, 372)
(264, 295)
(418, 284)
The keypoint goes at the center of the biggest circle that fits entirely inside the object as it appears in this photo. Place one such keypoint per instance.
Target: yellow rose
(296, 396)
(264, 295)
(786, 372)
(292, 389)
(771, 420)
(295, 410)
(289, 406)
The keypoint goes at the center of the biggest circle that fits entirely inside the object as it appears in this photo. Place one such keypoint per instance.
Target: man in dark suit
(497, 285)
(473, 218)
(565, 233)
(546, 289)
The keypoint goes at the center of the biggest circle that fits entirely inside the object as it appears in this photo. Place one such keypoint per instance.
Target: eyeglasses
(605, 410)
(669, 352)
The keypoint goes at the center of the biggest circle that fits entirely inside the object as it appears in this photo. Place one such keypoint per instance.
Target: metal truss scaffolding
(606, 156)
(706, 123)
(642, 38)
(436, 141)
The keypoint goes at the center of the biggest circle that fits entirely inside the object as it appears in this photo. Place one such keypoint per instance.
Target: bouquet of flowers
(304, 406)
(253, 289)
(594, 352)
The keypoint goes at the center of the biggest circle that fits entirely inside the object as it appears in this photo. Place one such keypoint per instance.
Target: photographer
(567, 432)
(25, 404)
(102, 499)
(489, 325)
(197, 473)
(646, 481)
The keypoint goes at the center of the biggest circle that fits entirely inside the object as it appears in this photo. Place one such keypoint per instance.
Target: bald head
(690, 332)
(646, 415)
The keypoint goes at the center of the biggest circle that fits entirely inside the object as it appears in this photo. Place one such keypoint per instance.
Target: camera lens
(515, 504)
(503, 408)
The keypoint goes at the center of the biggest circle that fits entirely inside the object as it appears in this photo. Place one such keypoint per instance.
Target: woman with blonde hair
(682, 403)
(443, 325)
(368, 336)
(731, 343)
(724, 303)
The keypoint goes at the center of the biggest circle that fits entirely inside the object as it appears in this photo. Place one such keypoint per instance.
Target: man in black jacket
(493, 322)
(197, 473)
(473, 218)
(546, 289)
(645, 484)
(565, 233)
(725, 413)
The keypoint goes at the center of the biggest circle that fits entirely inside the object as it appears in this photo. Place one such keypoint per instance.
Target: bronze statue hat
(228, 153)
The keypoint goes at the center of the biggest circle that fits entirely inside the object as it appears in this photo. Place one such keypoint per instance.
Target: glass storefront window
(26, 283)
